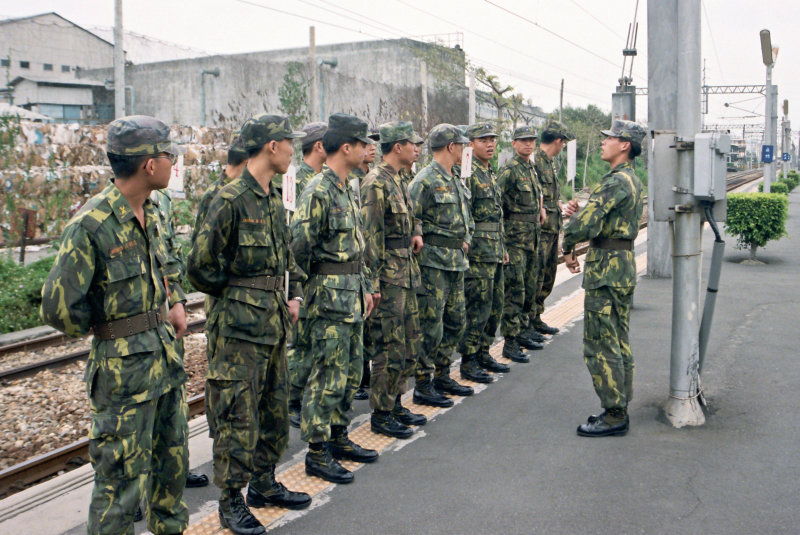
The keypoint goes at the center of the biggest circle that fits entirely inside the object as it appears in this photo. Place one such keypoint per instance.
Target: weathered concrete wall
(377, 80)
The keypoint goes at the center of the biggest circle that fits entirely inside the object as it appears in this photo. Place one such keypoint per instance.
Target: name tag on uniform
(289, 189)
(466, 162)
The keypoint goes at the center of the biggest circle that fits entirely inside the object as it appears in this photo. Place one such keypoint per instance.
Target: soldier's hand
(376, 299)
(542, 216)
(177, 317)
(572, 208)
(370, 305)
(465, 246)
(416, 244)
(294, 309)
(572, 263)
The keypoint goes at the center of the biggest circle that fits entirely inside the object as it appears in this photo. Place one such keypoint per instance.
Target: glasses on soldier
(172, 157)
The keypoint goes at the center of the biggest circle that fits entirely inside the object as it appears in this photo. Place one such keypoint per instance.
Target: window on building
(4, 63)
(65, 68)
(48, 66)
(24, 64)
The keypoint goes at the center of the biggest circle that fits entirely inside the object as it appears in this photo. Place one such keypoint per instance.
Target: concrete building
(376, 80)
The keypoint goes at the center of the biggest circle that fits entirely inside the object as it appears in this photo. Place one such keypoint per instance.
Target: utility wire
(713, 41)
(600, 22)
(393, 29)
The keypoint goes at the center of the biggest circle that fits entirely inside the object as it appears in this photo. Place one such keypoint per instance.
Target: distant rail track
(43, 466)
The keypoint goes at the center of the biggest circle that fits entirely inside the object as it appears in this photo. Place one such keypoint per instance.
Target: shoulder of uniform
(233, 189)
(93, 213)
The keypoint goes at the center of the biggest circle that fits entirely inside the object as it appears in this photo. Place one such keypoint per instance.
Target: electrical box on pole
(710, 166)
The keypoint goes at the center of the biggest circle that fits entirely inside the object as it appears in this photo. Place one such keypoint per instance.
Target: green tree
(292, 94)
(756, 218)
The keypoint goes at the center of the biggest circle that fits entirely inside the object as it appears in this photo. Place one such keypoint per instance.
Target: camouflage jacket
(406, 176)
(546, 172)
(442, 202)
(304, 174)
(175, 269)
(487, 211)
(327, 228)
(109, 268)
(388, 213)
(247, 236)
(521, 195)
(613, 211)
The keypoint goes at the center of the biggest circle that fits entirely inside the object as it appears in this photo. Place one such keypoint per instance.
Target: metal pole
(423, 75)
(662, 51)
(202, 98)
(785, 146)
(119, 63)
(561, 101)
(312, 65)
(682, 407)
(472, 97)
(769, 132)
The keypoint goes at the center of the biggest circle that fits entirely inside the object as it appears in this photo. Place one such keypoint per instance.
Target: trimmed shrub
(792, 180)
(756, 218)
(779, 187)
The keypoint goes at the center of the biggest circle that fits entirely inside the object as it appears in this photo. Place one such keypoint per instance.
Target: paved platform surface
(507, 460)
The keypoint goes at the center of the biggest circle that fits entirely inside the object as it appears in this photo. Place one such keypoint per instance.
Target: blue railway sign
(767, 153)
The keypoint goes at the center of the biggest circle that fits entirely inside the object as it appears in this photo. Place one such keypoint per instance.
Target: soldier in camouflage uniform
(237, 158)
(392, 335)
(554, 139)
(328, 243)
(240, 257)
(483, 281)
(522, 213)
(110, 278)
(442, 203)
(610, 220)
(299, 347)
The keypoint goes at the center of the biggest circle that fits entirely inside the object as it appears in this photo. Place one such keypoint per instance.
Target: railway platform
(508, 460)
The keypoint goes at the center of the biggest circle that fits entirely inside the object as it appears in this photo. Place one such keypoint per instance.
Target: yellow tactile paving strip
(295, 477)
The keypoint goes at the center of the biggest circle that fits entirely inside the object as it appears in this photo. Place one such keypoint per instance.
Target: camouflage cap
(349, 126)
(314, 133)
(524, 132)
(259, 130)
(236, 147)
(557, 129)
(443, 134)
(626, 130)
(480, 130)
(140, 135)
(374, 135)
(399, 131)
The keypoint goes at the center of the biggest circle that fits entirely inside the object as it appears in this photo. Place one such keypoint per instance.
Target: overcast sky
(530, 44)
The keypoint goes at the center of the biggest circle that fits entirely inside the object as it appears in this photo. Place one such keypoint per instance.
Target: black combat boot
(426, 394)
(512, 351)
(534, 335)
(363, 389)
(527, 342)
(384, 423)
(268, 491)
(611, 422)
(472, 372)
(544, 328)
(444, 383)
(488, 363)
(196, 480)
(235, 515)
(320, 463)
(405, 416)
(344, 449)
(295, 406)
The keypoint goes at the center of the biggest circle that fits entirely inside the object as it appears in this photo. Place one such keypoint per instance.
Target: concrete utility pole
(119, 63)
(561, 101)
(770, 109)
(662, 72)
(683, 407)
(423, 79)
(312, 66)
(786, 142)
(472, 110)
(211, 72)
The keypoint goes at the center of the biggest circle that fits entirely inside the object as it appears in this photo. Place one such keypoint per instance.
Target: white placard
(466, 162)
(175, 185)
(572, 151)
(289, 188)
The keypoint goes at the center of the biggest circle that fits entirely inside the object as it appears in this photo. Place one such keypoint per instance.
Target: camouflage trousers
(299, 357)
(606, 345)
(337, 362)
(247, 409)
(441, 318)
(548, 262)
(392, 340)
(521, 278)
(483, 294)
(135, 450)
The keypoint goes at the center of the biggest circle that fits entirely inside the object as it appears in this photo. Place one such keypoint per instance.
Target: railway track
(44, 466)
